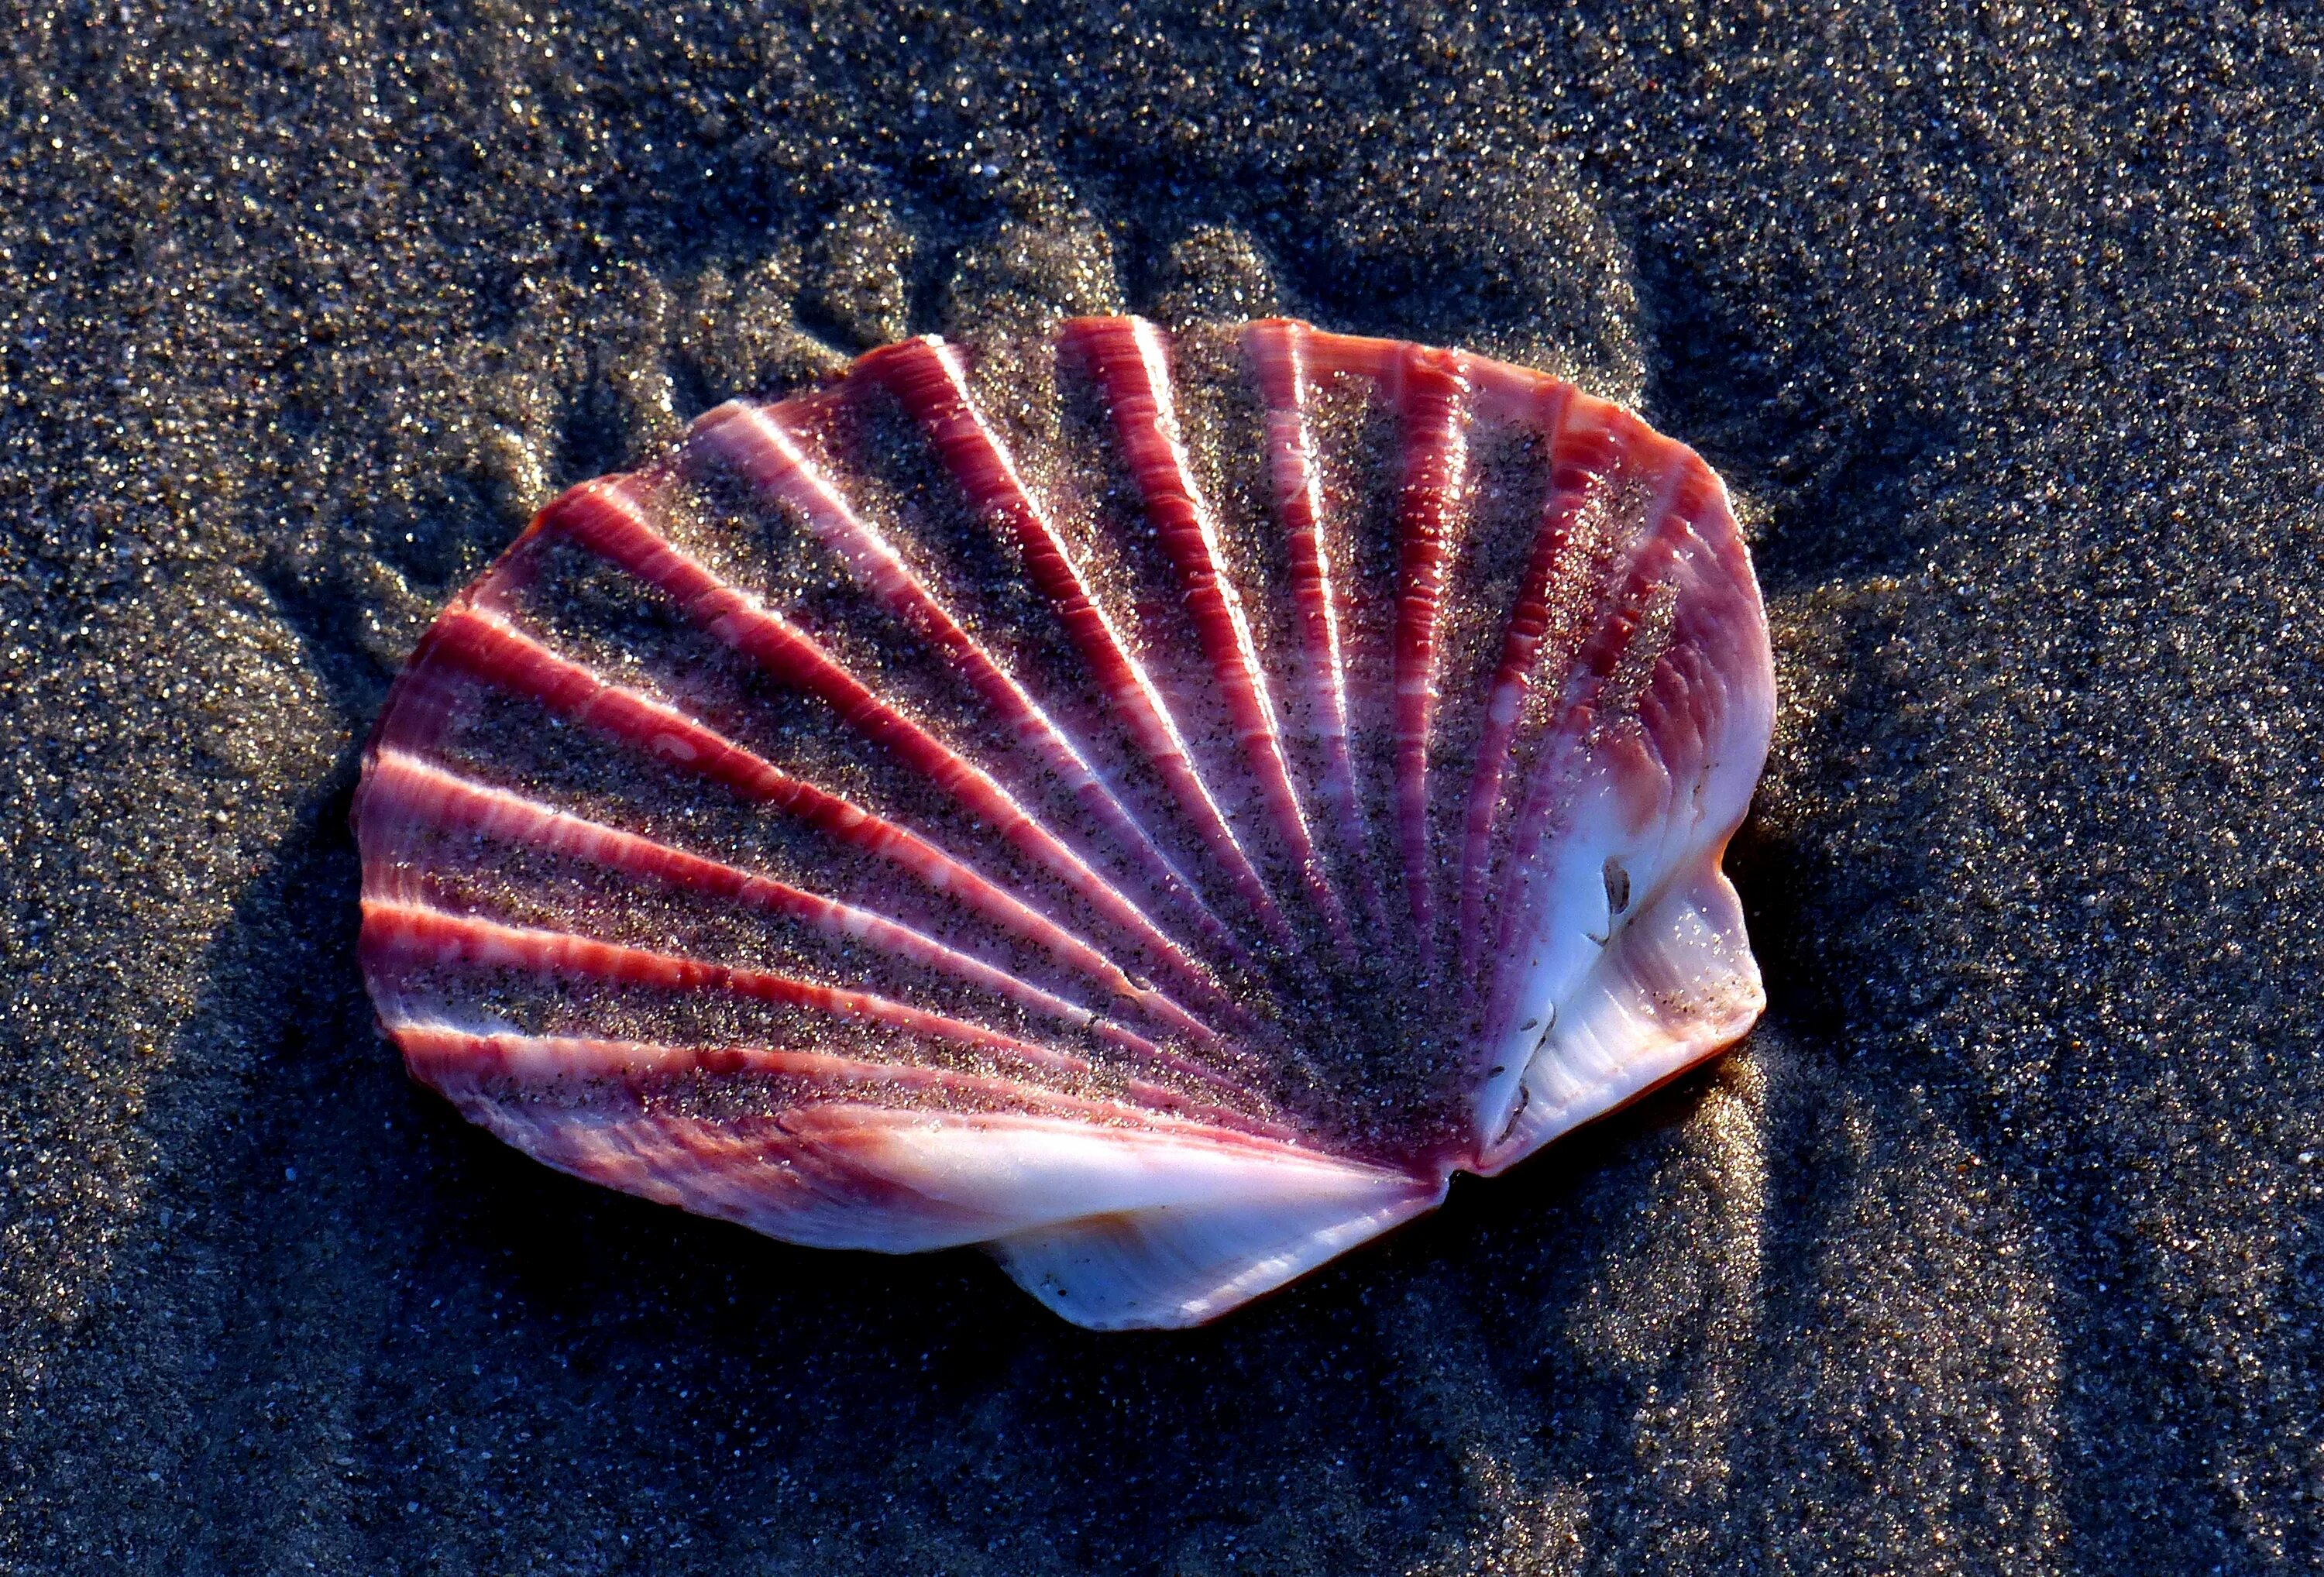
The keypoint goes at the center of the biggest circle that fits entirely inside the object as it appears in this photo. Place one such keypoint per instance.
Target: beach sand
(1996, 1248)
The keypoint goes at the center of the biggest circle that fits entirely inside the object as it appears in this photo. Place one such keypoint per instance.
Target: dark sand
(1997, 1249)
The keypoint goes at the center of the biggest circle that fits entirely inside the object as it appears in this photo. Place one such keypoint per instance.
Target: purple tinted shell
(1154, 806)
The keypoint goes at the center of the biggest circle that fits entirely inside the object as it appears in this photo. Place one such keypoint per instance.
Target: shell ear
(1677, 983)
(1172, 1267)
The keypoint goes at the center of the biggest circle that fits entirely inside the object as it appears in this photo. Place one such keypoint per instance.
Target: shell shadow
(404, 1332)
(416, 1337)
(1841, 492)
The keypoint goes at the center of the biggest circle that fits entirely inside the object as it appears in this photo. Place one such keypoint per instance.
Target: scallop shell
(1155, 806)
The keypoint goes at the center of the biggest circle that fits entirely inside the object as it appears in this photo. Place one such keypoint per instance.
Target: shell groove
(1154, 806)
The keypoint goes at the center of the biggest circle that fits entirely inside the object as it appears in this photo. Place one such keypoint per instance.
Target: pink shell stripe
(1513, 676)
(1432, 395)
(887, 821)
(1277, 352)
(1619, 619)
(521, 1059)
(397, 937)
(492, 650)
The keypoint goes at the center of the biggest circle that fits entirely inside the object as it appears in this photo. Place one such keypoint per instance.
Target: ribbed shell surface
(1152, 805)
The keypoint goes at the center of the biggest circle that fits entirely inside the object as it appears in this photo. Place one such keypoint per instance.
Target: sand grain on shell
(1999, 1251)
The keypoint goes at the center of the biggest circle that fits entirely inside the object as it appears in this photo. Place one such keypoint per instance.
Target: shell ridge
(450, 1051)
(500, 654)
(1431, 398)
(927, 376)
(423, 934)
(1660, 563)
(1277, 352)
(417, 934)
(1362, 355)
(1617, 617)
(1521, 641)
(490, 650)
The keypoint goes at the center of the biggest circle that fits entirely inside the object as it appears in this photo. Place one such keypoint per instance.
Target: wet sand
(1996, 1249)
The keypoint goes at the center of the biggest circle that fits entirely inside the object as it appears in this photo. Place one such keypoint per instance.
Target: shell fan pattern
(1152, 805)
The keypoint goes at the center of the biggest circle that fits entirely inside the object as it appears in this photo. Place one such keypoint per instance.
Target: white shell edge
(1677, 984)
(1114, 1229)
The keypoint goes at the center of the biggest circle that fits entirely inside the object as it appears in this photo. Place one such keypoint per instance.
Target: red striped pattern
(1129, 360)
(762, 445)
(1570, 485)
(431, 797)
(397, 937)
(489, 649)
(606, 518)
(1099, 850)
(469, 1056)
(928, 379)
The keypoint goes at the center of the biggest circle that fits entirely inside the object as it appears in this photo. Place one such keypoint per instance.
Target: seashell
(1153, 806)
